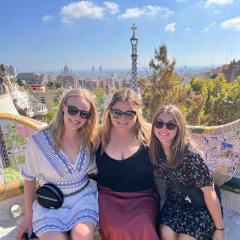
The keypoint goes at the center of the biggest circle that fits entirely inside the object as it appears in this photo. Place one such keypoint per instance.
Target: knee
(167, 234)
(82, 234)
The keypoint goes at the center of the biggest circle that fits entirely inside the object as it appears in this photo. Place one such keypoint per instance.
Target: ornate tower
(134, 55)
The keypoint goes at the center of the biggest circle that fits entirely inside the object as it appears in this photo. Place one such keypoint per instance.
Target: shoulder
(143, 150)
(144, 147)
(194, 156)
(194, 152)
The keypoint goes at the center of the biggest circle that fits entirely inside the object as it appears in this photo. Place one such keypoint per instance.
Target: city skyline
(45, 35)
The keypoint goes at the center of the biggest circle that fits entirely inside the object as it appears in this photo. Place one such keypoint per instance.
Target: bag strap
(77, 191)
(180, 186)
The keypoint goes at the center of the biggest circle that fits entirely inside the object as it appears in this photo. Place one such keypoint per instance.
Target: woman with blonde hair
(62, 155)
(128, 202)
(180, 164)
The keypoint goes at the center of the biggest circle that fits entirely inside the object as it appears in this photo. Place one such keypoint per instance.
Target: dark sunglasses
(116, 113)
(74, 111)
(168, 125)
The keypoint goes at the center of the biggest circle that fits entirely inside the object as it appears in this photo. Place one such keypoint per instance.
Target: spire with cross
(134, 42)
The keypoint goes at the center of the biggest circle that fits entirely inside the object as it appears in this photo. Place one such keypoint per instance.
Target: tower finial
(134, 28)
(134, 42)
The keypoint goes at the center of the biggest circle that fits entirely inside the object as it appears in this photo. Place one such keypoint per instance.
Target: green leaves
(211, 101)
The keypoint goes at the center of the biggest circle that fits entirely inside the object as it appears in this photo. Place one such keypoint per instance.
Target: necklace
(122, 155)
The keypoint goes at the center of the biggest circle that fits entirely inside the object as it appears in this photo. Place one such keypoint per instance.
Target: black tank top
(132, 174)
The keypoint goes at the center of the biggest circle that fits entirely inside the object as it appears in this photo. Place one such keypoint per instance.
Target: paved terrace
(231, 204)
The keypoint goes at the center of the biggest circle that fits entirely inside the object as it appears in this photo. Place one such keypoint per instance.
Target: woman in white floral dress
(62, 154)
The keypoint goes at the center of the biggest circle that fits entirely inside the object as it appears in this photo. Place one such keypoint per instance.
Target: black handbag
(193, 195)
(50, 196)
(26, 237)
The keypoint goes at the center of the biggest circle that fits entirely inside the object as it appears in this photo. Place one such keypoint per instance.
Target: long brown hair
(141, 128)
(88, 132)
(180, 142)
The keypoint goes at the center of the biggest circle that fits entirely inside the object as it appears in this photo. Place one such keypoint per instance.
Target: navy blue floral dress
(175, 213)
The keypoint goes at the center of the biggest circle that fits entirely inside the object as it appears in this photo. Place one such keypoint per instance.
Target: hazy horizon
(45, 35)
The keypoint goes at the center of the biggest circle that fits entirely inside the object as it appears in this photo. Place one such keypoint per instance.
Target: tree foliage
(165, 87)
(222, 99)
(160, 87)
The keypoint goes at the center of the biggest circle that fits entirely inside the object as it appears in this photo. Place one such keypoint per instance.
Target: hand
(218, 235)
(25, 226)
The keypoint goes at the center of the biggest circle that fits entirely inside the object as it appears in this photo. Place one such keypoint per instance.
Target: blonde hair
(180, 142)
(141, 128)
(88, 132)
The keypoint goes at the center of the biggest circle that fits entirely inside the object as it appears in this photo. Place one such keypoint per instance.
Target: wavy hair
(141, 128)
(88, 132)
(180, 142)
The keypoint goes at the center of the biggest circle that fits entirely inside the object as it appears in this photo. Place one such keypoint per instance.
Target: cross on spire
(133, 29)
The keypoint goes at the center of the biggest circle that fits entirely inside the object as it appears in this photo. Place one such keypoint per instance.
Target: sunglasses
(116, 113)
(168, 125)
(72, 110)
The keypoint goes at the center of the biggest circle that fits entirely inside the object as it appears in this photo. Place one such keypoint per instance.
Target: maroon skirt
(128, 215)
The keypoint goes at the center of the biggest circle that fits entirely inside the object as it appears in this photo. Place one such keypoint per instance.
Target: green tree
(166, 87)
(222, 99)
(99, 93)
(161, 87)
(50, 116)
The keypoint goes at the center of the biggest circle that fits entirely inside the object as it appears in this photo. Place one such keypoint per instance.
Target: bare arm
(214, 208)
(29, 195)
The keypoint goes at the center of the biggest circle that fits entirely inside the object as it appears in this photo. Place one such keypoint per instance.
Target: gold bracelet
(220, 229)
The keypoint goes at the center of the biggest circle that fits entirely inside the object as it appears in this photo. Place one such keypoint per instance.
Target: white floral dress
(46, 164)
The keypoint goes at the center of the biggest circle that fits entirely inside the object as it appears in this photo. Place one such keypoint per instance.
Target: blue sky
(43, 35)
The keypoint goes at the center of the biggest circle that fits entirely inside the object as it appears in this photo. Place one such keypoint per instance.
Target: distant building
(33, 78)
(232, 70)
(12, 71)
(66, 70)
(100, 70)
(67, 78)
(68, 81)
(38, 88)
(49, 97)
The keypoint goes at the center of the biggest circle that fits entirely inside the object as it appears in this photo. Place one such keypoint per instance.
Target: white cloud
(148, 10)
(210, 26)
(81, 9)
(216, 12)
(132, 13)
(218, 2)
(233, 23)
(170, 27)
(187, 29)
(113, 7)
(47, 18)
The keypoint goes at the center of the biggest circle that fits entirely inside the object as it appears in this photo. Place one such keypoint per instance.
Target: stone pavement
(231, 204)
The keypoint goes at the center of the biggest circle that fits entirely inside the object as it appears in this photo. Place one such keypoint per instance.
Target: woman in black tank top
(128, 201)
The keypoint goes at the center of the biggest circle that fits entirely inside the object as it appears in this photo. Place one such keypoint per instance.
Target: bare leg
(53, 235)
(83, 231)
(182, 236)
(167, 233)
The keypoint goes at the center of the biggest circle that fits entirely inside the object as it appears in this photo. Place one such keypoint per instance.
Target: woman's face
(165, 128)
(123, 116)
(76, 113)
